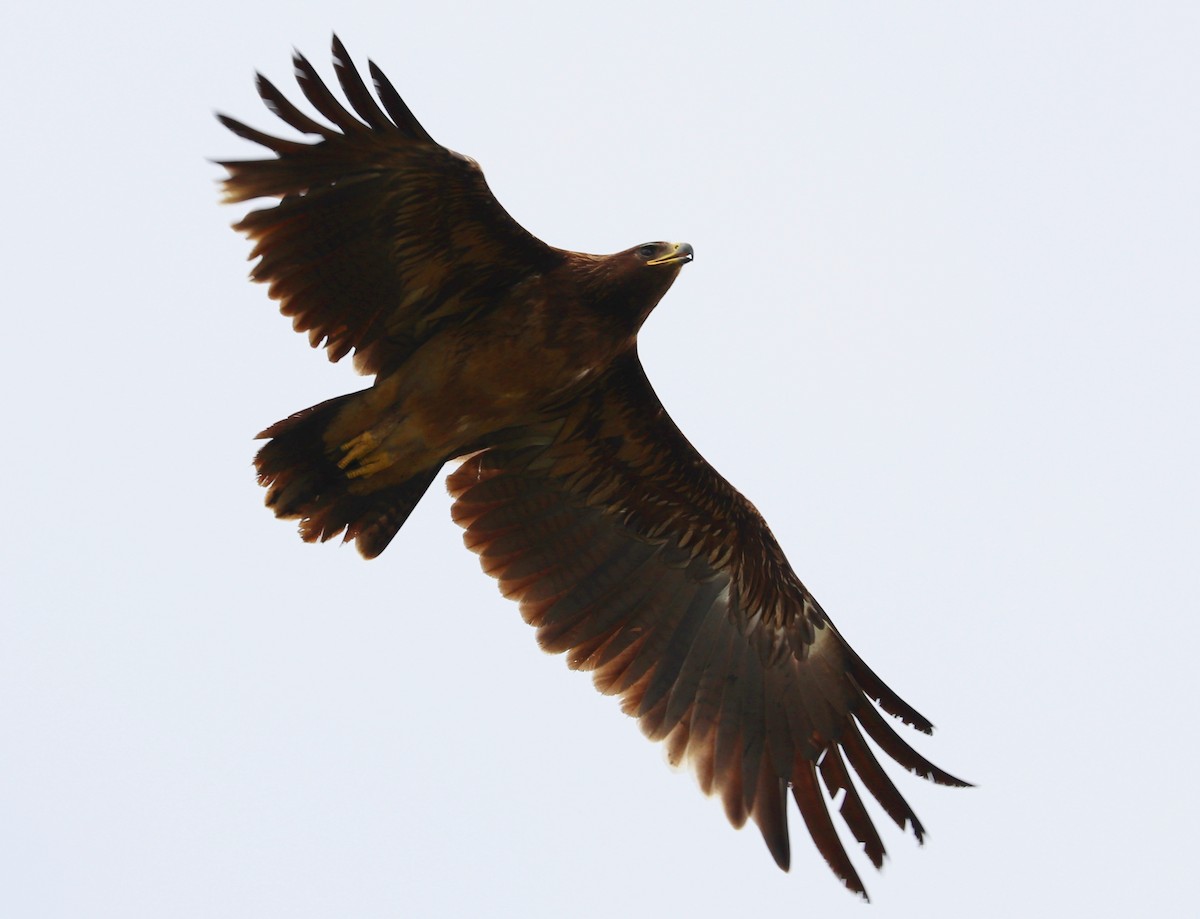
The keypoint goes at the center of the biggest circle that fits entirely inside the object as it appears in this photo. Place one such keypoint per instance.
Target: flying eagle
(518, 361)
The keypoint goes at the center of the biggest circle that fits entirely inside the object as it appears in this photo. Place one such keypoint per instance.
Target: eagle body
(530, 351)
(534, 351)
(517, 360)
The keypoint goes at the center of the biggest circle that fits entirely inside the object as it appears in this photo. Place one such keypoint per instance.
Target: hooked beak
(680, 253)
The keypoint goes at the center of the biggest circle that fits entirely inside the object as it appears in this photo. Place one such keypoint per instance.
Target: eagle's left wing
(629, 553)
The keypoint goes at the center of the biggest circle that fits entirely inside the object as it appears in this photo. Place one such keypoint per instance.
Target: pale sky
(942, 328)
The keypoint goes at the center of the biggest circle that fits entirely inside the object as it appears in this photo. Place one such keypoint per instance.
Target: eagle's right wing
(381, 235)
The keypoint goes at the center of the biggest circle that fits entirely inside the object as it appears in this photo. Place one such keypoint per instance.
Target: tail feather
(304, 482)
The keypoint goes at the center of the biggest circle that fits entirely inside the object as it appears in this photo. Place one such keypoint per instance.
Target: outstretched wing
(629, 553)
(381, 235)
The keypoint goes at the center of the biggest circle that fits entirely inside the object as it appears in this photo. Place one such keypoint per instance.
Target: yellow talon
(378, 462)
(357, 448)
(363, 450)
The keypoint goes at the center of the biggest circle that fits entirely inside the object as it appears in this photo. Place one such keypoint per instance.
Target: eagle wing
(381, 235)
(633, 556)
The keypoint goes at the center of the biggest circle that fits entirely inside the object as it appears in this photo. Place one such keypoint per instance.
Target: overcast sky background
(942, 328)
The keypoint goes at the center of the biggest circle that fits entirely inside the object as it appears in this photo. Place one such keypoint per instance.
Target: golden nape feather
(623, 547)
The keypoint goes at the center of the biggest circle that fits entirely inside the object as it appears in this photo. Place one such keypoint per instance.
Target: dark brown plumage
(625, 549)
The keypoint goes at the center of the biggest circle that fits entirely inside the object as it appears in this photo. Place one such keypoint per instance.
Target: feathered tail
(304, 482)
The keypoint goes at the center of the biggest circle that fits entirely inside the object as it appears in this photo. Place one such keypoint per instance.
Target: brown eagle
(519, 361)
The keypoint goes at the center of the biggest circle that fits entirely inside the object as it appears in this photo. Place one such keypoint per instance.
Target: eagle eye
(648, 250)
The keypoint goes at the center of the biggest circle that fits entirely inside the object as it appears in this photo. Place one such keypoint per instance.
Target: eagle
(519, 362)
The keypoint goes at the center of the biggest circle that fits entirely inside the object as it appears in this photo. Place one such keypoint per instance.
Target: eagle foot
(363, 456)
